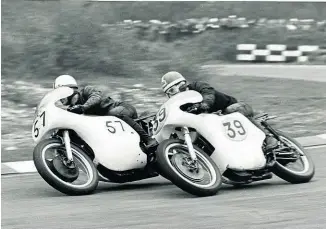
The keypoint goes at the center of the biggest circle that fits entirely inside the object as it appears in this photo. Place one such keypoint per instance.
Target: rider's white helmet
(171, 82)
(65, 81)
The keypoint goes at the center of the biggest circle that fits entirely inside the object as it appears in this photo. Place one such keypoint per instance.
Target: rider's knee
(130, 111)
(123, 113)
(117, 111)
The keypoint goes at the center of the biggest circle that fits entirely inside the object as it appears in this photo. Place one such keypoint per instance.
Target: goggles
(174, 89)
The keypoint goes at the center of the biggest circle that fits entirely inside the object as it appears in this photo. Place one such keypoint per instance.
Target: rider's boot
(150, 143)
(271, 142)
(150, 147)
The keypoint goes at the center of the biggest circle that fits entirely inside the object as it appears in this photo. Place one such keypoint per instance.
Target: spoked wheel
(293, 163)
(200, 178)
(79, 177)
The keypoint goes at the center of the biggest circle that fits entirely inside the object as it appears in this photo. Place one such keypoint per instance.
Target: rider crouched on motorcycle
(89, 100)
(213, 100)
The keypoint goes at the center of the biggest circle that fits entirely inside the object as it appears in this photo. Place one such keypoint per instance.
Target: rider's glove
(204, 107)
(198, 108)
(194, 108)
(78, 109)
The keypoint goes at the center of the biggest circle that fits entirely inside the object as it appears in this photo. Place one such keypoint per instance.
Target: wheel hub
(189, 170)
(65, 170)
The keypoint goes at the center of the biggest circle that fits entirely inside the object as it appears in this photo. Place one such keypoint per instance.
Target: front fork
(187, 137)
(66, 140)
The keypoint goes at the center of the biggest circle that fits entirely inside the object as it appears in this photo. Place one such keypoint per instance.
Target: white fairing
(237, 142)
(117, 151)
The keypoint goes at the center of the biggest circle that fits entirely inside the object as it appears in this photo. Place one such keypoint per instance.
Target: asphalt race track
(28, 202)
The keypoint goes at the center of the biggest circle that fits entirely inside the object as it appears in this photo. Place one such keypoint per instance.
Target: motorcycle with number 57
(73, 152)
(234, 143)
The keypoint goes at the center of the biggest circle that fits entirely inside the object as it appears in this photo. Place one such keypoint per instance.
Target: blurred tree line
(46, 38)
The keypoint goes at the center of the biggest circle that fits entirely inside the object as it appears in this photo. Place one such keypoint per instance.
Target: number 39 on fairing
(235, 129)
(159, 120)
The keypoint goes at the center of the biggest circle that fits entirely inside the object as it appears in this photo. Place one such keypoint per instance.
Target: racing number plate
(39, 123)
(235, 129)
(159, 120)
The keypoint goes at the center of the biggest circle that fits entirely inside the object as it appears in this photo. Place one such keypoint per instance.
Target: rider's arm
(206, 91)
(92, 97)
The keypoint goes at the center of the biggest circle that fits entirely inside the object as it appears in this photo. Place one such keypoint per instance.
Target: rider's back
(215, 99)
(100, 103)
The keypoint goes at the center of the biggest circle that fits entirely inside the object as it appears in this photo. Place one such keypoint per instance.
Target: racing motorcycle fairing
(114, 143)
(237, 142)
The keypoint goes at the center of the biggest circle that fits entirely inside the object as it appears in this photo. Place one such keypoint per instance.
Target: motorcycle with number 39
(234, 143)
(73, 152)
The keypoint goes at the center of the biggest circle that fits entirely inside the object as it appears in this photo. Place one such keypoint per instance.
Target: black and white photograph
(163, 114)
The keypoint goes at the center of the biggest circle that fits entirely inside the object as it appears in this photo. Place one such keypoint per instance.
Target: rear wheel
(174, 163)
(293, 164)
(78, 178)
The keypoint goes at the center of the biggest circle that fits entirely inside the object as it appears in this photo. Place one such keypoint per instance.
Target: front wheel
(283, 168)
(80, 178)
(173, 161)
